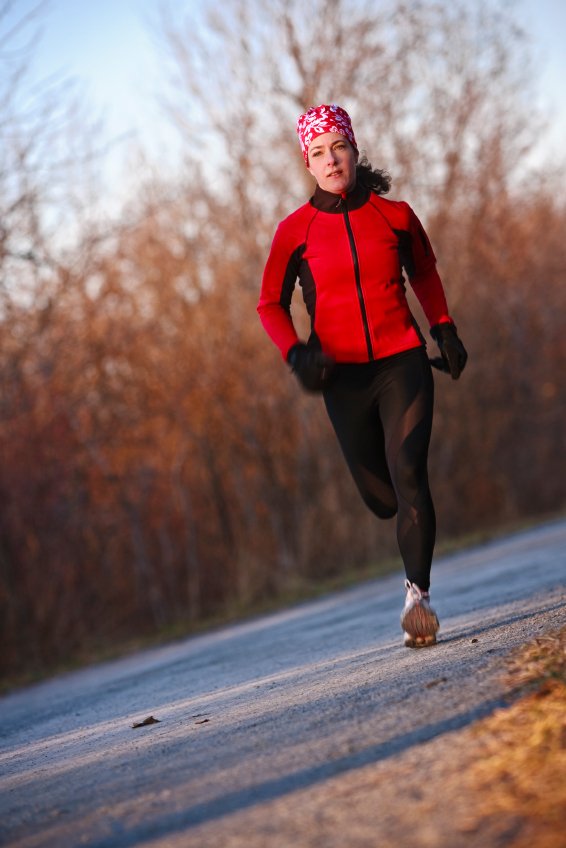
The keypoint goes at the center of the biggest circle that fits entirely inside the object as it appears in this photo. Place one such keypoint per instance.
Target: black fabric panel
(308, 285)
(290, 278)
(405, 248)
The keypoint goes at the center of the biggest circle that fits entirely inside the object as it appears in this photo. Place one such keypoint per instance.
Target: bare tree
(48, 147)
(435, 90)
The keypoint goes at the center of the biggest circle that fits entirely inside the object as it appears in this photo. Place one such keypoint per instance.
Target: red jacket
(348, 255)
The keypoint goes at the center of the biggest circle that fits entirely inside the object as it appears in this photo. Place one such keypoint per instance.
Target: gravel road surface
(303, 728)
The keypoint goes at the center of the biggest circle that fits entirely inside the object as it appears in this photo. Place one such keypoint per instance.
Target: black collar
(326, 201)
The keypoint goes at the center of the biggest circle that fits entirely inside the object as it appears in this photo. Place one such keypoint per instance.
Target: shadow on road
(270, 790)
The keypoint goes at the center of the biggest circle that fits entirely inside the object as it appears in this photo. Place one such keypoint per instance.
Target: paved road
(256, 716)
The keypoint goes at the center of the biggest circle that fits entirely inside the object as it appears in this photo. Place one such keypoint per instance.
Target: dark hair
(372, 178)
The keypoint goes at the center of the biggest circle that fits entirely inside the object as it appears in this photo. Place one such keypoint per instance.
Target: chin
(337, 188)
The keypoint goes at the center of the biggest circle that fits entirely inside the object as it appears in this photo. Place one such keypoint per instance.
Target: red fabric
(354, 318)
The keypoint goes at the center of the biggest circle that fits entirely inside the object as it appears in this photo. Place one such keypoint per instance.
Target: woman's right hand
(312, 367)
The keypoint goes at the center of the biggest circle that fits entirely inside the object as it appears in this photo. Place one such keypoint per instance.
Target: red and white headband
(323, 119)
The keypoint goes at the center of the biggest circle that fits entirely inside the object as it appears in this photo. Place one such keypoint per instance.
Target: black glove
(312, 366)
(453, 351)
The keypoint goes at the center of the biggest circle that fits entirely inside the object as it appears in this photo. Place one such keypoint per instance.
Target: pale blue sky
(108, 47)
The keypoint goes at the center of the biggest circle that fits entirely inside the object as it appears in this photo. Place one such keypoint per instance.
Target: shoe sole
(419, 641)
(419, 622)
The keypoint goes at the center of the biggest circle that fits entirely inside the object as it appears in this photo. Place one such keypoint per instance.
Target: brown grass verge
(520, 763)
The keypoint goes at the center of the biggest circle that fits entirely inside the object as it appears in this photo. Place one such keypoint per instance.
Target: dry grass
(520, 763)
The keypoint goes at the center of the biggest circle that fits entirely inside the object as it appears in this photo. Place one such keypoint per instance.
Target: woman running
(350, 248)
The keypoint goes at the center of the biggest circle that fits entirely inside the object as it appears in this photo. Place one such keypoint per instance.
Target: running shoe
(418, 619)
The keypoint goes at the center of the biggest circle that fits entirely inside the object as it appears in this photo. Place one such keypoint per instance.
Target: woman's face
(332, 162)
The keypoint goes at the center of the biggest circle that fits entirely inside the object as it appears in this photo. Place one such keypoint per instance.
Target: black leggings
(382, 414)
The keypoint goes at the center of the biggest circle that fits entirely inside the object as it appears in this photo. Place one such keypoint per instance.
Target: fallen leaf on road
(435, 682)
(146, 721)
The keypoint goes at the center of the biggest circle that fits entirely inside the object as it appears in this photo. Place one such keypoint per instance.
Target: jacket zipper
(356, 263)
